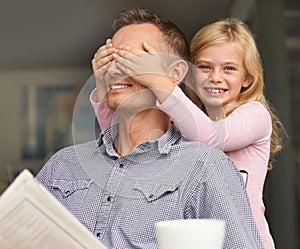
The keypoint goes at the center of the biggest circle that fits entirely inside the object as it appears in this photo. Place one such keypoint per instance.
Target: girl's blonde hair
(234, 30)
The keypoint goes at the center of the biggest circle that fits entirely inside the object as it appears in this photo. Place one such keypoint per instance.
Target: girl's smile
(225, 72)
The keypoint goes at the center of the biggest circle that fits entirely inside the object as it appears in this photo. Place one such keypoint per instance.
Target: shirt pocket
(155, 202)
(71, 193)
(154, 191)
(68, 187)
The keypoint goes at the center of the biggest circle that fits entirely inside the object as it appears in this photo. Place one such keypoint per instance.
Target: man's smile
(119, 86)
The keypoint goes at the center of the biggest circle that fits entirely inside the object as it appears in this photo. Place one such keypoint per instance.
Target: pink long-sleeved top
(244, 136)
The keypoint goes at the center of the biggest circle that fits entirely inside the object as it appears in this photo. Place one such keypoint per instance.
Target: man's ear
(178, 70)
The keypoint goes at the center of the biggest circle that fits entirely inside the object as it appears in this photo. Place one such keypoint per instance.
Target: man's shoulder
(73, 154)
(200, 150)
(201, 159)
(202, 162)
(67, 163)
(77, 148)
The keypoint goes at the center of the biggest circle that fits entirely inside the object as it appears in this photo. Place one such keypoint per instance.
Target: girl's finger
(105, 60)
(123, 63)
(124, 68)
(101, 48)
(101, 71)
(99, 63)
(148, 48)
(119, 58)
(108, 46)
(108, 42)
(103, 53)
(131, 50)
(104, 68)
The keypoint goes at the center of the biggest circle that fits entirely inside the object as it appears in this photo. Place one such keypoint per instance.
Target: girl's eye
(229, 68)
(205, 67)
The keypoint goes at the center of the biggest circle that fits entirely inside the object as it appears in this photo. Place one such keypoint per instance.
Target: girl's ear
(248, 80)
(178, 70)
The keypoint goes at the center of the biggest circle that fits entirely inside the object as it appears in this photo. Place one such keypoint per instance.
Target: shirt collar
(162, 144)
(166, 141)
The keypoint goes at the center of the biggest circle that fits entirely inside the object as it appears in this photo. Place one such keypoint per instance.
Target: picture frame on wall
(46, 111)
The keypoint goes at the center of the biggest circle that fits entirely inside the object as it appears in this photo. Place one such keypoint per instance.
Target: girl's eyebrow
(231, 62)
(202, 61)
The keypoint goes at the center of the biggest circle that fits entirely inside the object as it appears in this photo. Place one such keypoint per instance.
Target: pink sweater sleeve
(105, 115)
(246, 125)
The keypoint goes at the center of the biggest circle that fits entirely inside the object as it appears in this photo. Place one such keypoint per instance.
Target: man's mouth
(119, 86)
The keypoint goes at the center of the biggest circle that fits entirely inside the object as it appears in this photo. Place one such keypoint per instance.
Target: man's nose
(113, 70)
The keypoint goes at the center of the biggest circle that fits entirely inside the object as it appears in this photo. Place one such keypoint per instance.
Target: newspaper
(31, 218)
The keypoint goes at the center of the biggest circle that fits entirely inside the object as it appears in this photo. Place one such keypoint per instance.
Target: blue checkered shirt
(119, 199)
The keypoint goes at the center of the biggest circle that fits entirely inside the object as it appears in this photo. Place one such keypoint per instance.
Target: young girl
(229, 110)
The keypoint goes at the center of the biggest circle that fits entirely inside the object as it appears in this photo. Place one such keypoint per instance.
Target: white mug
(190, 234)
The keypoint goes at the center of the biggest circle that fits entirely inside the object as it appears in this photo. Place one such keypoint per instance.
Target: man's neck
(145, 126)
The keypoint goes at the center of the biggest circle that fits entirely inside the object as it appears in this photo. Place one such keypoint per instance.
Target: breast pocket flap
(67, 187)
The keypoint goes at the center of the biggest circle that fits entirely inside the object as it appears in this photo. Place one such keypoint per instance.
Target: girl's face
(224, 72)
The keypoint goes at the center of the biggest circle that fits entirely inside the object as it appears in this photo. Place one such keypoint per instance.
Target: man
(141, 170)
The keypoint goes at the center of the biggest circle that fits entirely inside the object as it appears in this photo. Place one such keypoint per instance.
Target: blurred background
(45, 53)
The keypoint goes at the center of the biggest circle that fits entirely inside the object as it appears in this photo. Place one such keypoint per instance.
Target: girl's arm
(103, 113)
(246, 125)
(100, 62)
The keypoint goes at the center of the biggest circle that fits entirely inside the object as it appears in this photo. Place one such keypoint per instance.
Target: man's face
(130, 95)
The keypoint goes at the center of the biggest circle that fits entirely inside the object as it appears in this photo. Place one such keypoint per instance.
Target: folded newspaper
(31, 218)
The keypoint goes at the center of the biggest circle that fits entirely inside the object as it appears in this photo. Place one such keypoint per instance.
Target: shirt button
(109, 198)
(121, 165)
(98, 234)
(151, 196)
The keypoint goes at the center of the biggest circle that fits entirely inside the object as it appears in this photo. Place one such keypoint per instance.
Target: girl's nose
(215, 76)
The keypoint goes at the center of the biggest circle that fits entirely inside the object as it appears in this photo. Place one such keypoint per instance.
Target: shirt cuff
(93, 99)
(171, 100)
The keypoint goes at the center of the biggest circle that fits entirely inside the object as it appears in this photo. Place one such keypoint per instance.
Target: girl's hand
(103, 56)
(145, 66)
(100, 62)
